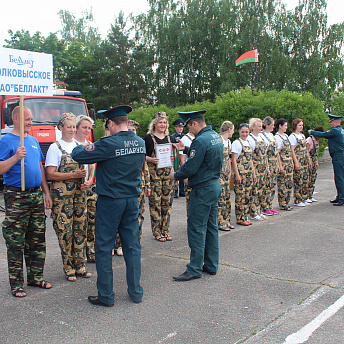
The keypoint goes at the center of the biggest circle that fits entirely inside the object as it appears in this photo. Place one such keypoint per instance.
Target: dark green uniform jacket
(205, 157)
(119, 159)
(335, 138)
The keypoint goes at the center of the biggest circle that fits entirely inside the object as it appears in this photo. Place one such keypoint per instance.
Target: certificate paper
(164, 153)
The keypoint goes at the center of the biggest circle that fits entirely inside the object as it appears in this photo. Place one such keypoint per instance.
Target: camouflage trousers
(269, 189)
(24, 232)
(69, 221)
(242, 196)
(160, 200)
(187, 190)
(257, 196)
(224, 212)
(141, 200)
(311, 180)
(91, 199)
(301, 180)
(285, 186)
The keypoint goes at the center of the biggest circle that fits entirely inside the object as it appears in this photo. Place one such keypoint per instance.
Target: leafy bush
(239, 106)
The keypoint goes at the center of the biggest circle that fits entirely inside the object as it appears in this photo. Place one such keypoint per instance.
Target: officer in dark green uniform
(203, 169)
(119, 159)
(335, 138)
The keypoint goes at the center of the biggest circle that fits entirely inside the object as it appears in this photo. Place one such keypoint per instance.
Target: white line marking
(170, 335)
(305, 332)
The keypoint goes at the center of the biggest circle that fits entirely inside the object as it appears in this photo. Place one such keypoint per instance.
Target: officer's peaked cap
(187, 116)
(120, 110)
(178, 121)
(332, 117)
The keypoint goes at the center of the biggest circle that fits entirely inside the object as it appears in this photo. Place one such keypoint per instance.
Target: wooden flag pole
(21, 105)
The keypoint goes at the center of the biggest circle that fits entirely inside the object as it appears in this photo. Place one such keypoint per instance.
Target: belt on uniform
(18, 189)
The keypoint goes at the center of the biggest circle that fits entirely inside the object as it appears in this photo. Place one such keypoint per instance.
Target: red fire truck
(46, 112)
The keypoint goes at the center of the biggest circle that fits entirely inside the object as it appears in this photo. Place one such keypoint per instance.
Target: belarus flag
(250, 56)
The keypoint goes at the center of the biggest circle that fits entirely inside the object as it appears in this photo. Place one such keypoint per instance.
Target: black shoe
(334, 200)
(182, 195)
(185, 277)
(95, 301)
(339, 203)
(175, 196)
(213, 273)
(137, 301)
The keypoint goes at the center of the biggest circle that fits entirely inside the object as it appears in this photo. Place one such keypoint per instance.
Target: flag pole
(257, 75)
(21, 106)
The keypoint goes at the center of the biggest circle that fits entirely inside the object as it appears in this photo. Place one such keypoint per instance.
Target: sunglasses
(243, 125)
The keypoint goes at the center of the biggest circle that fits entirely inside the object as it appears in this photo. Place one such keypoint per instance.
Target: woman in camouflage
(83, 130)
(302, 163)
(244, 175)
(261, 166)
(271, 178)
(69, 199)
(313, 151)
(162, 189)
(284, 165)
(224, 212)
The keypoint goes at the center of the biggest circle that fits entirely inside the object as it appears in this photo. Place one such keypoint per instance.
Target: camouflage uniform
(313, 171)
(145, 184)
(242, 191)
(260, 162)
(301, 176)
(224, 212)
(187, 199)
(271, 179)
(285, 180)
(24, 231)
(69, 216)
(91, 201)
(161, 198)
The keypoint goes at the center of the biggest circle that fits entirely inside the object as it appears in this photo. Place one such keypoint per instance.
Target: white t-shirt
(236, 146)
(85, 166)
(280, 141)
(293, 138)
(251, 140)
(187, 141)
(227, 144)
(54, 153)
(269, 137)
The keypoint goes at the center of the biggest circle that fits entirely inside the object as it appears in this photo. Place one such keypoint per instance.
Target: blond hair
(225, 126)
(80, 118)
(152, 124)
(66, 117)
(253, 122)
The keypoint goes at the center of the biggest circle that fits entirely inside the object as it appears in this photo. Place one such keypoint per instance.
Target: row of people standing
(261, 160)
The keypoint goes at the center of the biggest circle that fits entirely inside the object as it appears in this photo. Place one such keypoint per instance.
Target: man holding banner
(24, 224)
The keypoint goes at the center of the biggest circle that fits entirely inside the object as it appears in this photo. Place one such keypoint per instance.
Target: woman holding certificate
(159, 153)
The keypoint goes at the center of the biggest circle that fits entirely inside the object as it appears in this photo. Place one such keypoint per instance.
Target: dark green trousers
(338, 167)
(203, 232)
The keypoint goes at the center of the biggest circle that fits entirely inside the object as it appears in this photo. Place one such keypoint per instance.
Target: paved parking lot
(275, 279)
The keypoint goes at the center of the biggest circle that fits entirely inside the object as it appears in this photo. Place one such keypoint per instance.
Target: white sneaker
(257, 217)
(313, 200)
(301, 204)
(264, 217)
(308, 200)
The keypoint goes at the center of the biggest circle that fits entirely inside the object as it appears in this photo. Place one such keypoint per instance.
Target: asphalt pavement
(280, 281)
